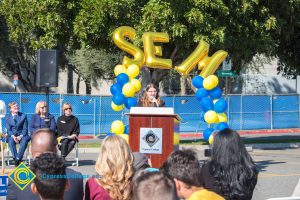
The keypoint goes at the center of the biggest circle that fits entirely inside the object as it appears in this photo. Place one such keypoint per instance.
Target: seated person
(38, 121)
(183, 166)
(17, 132)
(68, 130)
(153, 185)
(49, 188)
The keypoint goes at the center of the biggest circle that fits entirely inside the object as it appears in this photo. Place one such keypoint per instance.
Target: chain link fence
(245, 112)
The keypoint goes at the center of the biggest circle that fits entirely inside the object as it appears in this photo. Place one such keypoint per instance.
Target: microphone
(153, 99)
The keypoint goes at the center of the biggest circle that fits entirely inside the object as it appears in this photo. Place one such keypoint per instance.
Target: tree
(34, 25)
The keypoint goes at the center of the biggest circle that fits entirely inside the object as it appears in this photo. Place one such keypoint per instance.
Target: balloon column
(123, 91)
(212, 104)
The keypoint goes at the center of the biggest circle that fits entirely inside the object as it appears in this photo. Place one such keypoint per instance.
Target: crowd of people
(66, 129)
(229, 173)
(121, 174)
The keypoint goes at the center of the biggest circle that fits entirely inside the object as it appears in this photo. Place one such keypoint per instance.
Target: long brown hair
(145, 100)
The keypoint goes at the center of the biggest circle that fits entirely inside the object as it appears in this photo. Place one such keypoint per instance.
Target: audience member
(153, 186)
(230, 171)
(114, 166)
(68, 130)
(43, 140)
(38, 120)
(44, 185)
(183, 166)
(17, 132)
(151, 97)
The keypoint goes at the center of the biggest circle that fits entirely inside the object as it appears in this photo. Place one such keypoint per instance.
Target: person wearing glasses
(17, 132)
(151, 97)
(38, 121)
(68, 130)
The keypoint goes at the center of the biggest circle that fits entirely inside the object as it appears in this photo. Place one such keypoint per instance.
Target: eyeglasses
(68, 109)
(43, 107)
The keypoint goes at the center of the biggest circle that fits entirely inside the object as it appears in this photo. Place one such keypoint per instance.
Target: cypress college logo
(22, 176)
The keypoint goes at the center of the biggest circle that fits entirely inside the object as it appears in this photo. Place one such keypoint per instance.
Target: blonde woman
(114, 168)
(37, 120)
(68, 130)
(151, 97)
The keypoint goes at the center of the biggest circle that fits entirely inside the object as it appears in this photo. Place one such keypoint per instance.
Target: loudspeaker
(47, 68)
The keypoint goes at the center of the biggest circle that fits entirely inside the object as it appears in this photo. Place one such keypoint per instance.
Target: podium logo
(151, 138)
(22, 176)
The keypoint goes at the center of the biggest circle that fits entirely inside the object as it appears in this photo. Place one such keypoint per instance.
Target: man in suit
(17, 132)
(43, 140)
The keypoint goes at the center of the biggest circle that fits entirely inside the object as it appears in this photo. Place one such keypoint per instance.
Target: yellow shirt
(204, 194)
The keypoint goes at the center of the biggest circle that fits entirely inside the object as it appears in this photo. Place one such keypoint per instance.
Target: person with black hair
(184, 167)
(230, 171)
(153, 186)
(49, 165)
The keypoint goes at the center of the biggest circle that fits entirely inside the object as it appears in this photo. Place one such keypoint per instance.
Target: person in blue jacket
(17, 132)
(37, 120)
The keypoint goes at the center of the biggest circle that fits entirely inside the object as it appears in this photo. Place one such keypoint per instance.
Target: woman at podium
(151, 97)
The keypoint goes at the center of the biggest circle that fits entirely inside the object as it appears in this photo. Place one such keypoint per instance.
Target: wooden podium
(152, 132)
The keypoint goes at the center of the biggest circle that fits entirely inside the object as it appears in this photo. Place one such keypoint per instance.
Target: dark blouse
(67, 125)
(161, 104)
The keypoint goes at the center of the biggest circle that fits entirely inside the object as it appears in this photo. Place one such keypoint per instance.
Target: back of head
(154, 185)
(44, 167)
(184, 166)
(230, 159)
(43, 140)
(114, 164)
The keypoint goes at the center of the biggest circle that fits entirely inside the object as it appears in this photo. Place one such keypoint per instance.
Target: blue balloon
(207, 132)
(115, 88)
(206, 104)
(119, 99)
(215, 93)
(200, 93)
(220, 106)
(130, 102)
(122, 79)
(126, 130)
(197, 81)
(221, 126)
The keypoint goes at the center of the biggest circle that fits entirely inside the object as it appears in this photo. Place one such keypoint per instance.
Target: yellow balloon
(116, 107)
(133, 71)
(151, 50)
(128, 90)
(125, 137)
(136, 83)
(216, 79)
(211, 117)
(209, 83)
(119, 69)
(190, 62)
(222, 117)
(176, 138)
(214, 63)
(117, 127)
(211, 139)
(119, 39)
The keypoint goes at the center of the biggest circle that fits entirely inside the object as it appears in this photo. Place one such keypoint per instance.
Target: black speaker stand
(47, 120)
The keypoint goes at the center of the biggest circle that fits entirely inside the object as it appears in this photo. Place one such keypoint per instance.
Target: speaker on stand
(47, 73)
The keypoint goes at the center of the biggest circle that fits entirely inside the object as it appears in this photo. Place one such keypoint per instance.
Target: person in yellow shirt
(183, 166)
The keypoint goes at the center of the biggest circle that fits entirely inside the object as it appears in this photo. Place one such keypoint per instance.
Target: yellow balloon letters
(213, 63)
(188, 64)
(119, 39)
(151, 50)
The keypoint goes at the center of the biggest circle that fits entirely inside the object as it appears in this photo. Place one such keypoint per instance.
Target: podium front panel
(166, 123)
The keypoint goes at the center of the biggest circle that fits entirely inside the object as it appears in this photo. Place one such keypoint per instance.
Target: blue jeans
(23, 145)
